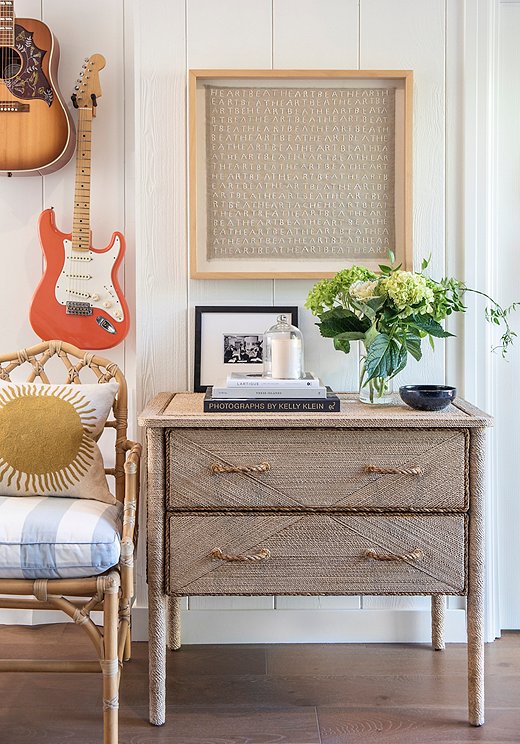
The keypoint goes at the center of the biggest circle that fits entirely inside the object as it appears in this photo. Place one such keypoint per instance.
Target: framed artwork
(299, 173)
(230, 339)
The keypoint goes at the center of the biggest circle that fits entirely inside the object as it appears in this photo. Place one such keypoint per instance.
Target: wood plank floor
(314, 694)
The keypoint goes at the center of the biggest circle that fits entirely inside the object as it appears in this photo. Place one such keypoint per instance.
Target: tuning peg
(76, 87)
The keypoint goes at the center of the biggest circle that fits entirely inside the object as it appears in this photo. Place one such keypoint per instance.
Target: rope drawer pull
(414, 555)
(417, 470)
(217, 467)
(262, 555)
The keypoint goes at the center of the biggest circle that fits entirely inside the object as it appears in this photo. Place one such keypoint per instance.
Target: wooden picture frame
(299, 173)
(217, 329)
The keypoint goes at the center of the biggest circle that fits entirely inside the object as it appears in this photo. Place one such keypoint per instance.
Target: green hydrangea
(391, 313)
(409, 292)
(330, 292)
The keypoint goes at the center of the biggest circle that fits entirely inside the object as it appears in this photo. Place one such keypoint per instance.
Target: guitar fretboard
(6, 23)
(81, 220)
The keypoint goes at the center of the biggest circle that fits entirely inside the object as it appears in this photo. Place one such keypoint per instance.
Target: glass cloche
(283, 351)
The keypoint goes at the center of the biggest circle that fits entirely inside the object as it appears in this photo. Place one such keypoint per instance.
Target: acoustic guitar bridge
(78, 308)
(14, 107)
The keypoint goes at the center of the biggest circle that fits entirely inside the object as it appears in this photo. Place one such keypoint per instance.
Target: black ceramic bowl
(427, 397)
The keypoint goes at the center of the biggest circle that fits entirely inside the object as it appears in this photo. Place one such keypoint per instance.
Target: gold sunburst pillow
(48, 439)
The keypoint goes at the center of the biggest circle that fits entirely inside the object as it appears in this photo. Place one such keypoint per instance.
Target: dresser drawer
(344, 468)
(316, 554)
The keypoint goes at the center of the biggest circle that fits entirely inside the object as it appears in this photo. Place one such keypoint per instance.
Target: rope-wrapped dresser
(370, 500)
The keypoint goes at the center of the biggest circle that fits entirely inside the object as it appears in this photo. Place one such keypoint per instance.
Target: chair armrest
(130, 506)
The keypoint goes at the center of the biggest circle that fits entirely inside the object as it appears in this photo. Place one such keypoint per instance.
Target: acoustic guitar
(79, 299)
(36, 128)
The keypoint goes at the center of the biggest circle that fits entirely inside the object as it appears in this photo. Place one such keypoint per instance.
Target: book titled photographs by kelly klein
(330, 404)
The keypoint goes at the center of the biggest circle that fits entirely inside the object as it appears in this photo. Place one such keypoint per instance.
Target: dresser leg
(438, 614)
(157, 656)
(174, 623)
(475, 604)
(475, 662)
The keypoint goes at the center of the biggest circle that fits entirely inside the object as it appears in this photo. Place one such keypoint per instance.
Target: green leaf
(376, 303)
(350, 336)
(341, 320)
(391, 256)
(413, 345)
(385, 269)
(429, 325)
(402, 358)
(364, 309)
(426, 262)
(342, 345)
(385, 357)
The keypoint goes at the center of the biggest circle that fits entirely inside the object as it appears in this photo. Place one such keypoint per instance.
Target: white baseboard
(284, 626)
(308, 626)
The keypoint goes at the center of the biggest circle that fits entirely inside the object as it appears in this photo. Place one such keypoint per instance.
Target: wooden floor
(328, 694)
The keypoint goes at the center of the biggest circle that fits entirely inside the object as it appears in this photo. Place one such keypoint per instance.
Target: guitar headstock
(87, 88)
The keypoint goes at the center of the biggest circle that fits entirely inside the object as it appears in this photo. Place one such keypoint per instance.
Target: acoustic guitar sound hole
(10, 63)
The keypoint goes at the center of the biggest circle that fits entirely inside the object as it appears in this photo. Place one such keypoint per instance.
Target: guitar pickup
(78, 308)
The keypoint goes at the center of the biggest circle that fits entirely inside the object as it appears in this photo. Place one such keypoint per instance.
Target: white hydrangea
(364, 290)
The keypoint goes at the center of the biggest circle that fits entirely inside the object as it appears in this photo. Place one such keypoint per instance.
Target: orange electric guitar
(36, 128)
(79, 299)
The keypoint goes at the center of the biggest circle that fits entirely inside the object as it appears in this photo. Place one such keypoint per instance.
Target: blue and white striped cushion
(43, 537)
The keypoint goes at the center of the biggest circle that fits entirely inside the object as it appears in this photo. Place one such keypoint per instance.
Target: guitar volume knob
(95, 297)
(107, 304)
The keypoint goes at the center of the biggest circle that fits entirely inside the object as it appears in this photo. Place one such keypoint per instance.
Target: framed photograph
(230, 339)
(299, 173)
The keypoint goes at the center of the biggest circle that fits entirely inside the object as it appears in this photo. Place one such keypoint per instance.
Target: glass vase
(377, 391)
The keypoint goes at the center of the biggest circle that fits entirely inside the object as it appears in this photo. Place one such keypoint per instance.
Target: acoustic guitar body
(37, 133)
(79, 299)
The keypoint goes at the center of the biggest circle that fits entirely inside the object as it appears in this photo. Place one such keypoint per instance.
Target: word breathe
(294, 172)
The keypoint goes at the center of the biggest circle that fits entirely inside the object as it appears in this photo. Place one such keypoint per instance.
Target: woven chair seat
(58, 538)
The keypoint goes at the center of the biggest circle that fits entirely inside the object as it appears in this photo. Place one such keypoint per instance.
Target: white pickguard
(87, 277)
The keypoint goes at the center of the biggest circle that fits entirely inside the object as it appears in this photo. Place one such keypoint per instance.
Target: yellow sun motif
(45, 437)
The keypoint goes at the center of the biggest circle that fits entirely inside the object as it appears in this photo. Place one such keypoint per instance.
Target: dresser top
(184, 410)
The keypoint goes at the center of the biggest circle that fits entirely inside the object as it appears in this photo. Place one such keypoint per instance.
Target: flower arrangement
(391, 313)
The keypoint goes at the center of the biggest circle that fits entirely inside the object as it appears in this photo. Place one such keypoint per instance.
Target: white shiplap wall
(341, 34)
(149, 180)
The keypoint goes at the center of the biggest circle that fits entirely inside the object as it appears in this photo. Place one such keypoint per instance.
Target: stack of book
(254, 393)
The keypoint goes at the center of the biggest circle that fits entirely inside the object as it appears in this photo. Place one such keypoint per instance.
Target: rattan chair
(111, 592)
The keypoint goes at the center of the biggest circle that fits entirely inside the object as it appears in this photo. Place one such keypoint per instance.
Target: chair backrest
(76, 362)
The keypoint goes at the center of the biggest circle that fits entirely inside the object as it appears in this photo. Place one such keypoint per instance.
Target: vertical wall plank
(320, 34)
(161, 196)
(508, 269)
(229, 33)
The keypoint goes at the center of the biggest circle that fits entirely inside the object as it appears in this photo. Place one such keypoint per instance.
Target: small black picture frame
(229, 339)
